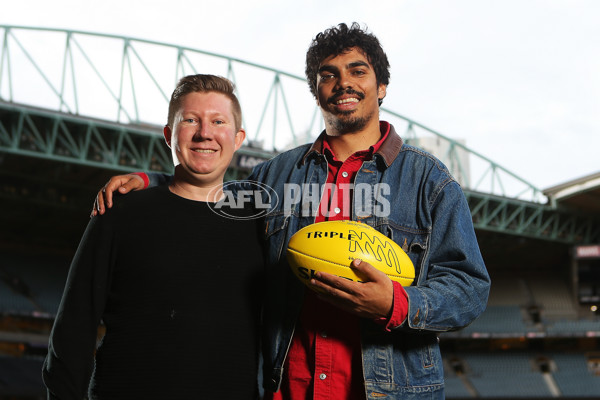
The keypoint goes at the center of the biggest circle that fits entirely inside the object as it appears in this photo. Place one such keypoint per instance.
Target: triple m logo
(362, 245)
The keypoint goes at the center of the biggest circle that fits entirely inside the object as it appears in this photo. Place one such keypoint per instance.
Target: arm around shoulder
(125, 184)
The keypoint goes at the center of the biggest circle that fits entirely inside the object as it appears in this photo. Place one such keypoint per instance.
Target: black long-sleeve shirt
(178, 289)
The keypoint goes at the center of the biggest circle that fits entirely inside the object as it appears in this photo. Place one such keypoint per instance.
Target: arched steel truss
(100, 100)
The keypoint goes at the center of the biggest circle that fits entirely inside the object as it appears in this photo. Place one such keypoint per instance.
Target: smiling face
(203, 138)
(348, 93)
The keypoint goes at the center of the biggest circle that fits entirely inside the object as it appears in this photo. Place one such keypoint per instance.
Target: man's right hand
(122, 183)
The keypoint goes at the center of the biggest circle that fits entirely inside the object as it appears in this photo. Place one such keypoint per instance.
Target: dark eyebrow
(354, 64)
(359, 64)
(328, 68)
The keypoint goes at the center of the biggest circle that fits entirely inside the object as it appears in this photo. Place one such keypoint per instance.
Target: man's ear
(167, 134)
(381, 91)
(239, 138)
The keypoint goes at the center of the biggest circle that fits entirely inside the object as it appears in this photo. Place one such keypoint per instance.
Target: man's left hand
(372, 298)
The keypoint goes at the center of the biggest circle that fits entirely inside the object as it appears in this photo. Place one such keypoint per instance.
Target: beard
(344, 122)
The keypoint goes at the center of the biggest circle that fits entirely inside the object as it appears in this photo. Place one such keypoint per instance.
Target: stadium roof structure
(579, 194)
(77, 107)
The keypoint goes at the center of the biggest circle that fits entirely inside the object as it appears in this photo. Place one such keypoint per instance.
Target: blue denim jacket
(427, 214)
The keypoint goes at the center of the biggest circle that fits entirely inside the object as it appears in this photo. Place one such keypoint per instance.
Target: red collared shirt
(325, 360)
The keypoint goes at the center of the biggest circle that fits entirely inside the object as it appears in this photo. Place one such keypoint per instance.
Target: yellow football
(331, 246)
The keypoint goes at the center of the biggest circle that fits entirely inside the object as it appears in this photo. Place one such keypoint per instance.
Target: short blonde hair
(204, 83)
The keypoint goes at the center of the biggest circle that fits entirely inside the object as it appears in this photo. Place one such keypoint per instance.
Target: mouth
(346, 99)
(204, 151)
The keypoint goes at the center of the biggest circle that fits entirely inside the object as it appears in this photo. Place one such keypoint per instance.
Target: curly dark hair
(337, 40)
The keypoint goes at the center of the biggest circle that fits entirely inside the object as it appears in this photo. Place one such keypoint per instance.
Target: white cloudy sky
(519, 80)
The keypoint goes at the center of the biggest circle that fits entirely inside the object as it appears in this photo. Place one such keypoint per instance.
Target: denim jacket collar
(388, 151)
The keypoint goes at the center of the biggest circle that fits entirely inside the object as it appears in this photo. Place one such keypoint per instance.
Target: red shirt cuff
(144, 178)
(399, 309)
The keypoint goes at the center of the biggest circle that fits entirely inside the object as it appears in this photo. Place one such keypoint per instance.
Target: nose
(344, 81)
(204, 132)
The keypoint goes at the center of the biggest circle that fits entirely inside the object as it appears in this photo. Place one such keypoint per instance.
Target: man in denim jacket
(375, 339)
(414, 200)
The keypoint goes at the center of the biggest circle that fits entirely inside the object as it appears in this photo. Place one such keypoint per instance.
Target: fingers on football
(333, 285)
(366, 270)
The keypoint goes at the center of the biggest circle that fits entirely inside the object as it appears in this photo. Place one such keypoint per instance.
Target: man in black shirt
(176, 285)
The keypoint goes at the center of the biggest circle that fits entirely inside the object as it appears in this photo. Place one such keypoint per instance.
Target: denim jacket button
(322, 376)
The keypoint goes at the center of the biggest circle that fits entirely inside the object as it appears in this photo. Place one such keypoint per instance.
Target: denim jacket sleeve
(158, 179)
(453, 286)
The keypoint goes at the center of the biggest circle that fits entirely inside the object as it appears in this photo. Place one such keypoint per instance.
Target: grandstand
(538, 338)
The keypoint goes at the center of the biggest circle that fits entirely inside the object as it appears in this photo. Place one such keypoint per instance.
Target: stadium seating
(574, 377)
(513, 315)
(34, 285)
(517, 375)
(14, 303)
(539, 308)
(517, 309)
(505, 375)
(21, 376)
